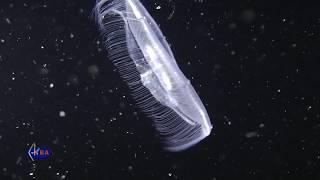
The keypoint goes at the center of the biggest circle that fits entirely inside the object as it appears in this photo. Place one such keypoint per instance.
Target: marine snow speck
(144, 59)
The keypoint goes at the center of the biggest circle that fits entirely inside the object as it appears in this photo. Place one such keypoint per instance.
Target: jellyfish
(144, 60)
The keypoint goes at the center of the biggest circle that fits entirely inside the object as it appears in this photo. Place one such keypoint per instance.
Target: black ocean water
(254, 64)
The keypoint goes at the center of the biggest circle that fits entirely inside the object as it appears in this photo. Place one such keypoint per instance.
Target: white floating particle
(18, 160)
(251, 134)
(62, 114)
(261, 125)
(51, 85)
(8, 21)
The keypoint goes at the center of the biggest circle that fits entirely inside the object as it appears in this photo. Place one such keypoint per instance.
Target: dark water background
(255, 65)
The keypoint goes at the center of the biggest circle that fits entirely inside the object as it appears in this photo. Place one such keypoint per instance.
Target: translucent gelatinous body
(144, 59)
